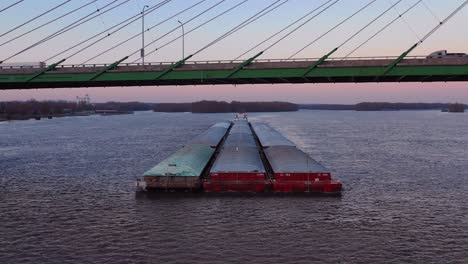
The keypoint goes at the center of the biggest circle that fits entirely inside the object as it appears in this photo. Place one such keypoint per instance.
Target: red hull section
(232, 176)
(236, 182)
(236, 186)
(327, 187)
(302, 177)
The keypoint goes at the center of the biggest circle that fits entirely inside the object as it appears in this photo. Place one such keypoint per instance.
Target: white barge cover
(286, 159)
(212, 136)
(269, 137)
(240, 140)
(222, 124)
(238, 160)
(240, 129)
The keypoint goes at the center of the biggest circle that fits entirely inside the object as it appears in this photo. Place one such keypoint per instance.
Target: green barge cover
(186, 162)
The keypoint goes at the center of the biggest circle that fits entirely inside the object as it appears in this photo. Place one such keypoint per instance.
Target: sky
(392, 42)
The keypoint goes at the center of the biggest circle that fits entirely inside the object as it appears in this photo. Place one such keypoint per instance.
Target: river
(67, 192)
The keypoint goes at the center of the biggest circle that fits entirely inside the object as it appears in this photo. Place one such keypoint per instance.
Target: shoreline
(40, 117)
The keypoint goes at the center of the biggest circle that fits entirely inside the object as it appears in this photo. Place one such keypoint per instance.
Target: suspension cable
(301, 25)
(383, 28)
(370, 23)
(83, 20)
(71, 26)
(333, 28)
(36, 17)
(193, 29)
(432, 12)
(258, 15)
(150, 10)
(49, 22)
(150, 28)
(443, 22)
(277, 33)
(408, 25)
(177, 27)
(10, 6)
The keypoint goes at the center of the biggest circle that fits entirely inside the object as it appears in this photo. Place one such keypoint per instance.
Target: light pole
(183, 39)
(142, 51)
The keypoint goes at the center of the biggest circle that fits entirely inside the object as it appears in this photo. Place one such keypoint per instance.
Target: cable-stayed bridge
(132, 70)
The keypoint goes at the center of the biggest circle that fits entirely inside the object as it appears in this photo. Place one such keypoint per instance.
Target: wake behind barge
(240, 156)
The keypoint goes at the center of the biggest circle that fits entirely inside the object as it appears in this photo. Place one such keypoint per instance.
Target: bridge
(253, 70)
(233, 72)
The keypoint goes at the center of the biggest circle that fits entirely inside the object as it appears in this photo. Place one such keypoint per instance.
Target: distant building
(444, 54)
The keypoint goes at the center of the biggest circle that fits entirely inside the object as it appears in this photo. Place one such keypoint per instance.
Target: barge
(293, 171)
(238, 167)
(183, 169)
(240, 156)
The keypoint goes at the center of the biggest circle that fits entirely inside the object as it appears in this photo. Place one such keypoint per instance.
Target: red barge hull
(325, 187)
(236, 182)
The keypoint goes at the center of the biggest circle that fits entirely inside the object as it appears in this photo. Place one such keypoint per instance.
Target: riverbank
(226, 107)
(32, 109)
(40, 117)
(384, 106)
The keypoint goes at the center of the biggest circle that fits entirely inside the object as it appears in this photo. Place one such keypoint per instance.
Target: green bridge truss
(240, 73)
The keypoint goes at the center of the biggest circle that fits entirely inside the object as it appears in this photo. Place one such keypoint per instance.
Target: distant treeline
(380, 106)
(326, 107)
(123, 106)
(225, 107)
(32, 108)
(12, 110)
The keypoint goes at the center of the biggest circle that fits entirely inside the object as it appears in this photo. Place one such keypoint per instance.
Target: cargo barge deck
(241, 157)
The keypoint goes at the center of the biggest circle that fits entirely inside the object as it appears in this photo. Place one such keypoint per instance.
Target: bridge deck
(262, 71)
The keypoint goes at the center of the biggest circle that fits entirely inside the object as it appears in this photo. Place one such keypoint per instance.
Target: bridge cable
(383, 28)
(171, 32)
(370, 23)
(10, 6)
(132, 18)
(69, 27)
(193, 29)
(408, 25)
(301, 25)
(395, 63)
(443, 22)
(333, 28)
(154, 26)
(362, 29)
(86, 18)
(245, 23)
(150, 10)
(281, 31)
(432, 12)
(34, 18)
(49, 22)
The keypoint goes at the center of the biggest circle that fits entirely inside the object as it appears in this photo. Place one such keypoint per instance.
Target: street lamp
(142, 51)
(183, 39)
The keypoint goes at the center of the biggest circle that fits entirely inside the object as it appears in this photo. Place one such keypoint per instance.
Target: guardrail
(99, 65)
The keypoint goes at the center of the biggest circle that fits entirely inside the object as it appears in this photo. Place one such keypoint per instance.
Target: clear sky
(396, 39)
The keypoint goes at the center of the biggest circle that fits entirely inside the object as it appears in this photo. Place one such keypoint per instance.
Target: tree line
(30, 109)
(225, 107)
(382, 106)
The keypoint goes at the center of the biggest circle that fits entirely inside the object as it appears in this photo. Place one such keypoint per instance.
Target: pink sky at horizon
(296, 93)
